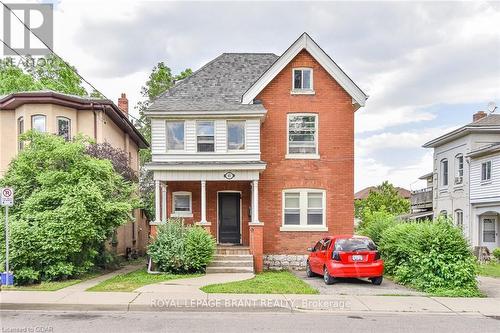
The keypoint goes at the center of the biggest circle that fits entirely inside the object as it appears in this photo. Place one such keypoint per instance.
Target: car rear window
(354, 244)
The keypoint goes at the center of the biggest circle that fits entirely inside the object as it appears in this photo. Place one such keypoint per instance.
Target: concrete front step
(211, 269)
(231, 257)
(232, 263)
(233, 250)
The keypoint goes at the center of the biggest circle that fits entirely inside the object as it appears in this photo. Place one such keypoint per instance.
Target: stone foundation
(285, 262)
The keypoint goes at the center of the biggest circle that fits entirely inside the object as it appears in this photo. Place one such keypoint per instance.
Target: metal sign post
(7, 200)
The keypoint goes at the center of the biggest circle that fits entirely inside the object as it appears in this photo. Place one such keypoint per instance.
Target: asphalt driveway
(356, 287)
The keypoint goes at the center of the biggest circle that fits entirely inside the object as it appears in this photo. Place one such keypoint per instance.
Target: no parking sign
(6, 196)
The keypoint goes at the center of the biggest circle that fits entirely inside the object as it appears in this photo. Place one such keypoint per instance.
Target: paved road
(48, 322)
(356, 287)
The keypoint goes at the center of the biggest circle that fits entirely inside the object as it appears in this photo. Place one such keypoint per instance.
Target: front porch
(222, 198)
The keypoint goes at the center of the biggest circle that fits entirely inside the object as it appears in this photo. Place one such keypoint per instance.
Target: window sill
(302, 92)
(486, 182)
(304, 228)
(181, 215)
(302, 156)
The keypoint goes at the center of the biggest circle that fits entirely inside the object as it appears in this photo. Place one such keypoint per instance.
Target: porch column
(203, 201)
(157, 201)
(255, 201)
(164, 189)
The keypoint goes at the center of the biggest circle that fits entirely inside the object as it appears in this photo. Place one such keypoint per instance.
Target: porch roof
(206, 165)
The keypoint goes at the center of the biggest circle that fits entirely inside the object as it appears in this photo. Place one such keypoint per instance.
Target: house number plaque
(229, 175)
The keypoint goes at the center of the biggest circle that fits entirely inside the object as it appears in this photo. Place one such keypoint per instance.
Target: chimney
(478, 115)
(123, 103)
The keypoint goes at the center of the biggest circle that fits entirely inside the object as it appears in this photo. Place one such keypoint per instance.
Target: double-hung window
(302, 135)
(182, 203)
(486, 171)
(205, 136)
(302, 79)
(38, 123)
(459, 164)
(175, 135)
(304, 209)
(459, 218)
(444, 172)
(235, 135)
(64, 128)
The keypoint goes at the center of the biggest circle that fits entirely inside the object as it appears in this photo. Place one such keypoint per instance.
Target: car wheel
(377, 280)
(309, 272)
(327, 278)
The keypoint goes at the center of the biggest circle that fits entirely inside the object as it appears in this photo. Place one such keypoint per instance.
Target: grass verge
(491, 269)
(53, 285)
(264, 283)
(136, 279)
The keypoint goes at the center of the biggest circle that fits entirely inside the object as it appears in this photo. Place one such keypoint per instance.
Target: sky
(427, 66)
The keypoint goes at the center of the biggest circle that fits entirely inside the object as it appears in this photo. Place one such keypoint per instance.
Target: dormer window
(302, 79)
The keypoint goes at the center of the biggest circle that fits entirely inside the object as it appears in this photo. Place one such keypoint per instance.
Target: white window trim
(303, 205)
(314, 156)
(486, 181)
(166, 135)
(196, 136)
(38, 115)
(302, 91)
(457, 169)
(227, 136)
(441, 174)
(182, 214)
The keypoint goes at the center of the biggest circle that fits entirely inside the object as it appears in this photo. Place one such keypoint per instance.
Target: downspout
(95, 121)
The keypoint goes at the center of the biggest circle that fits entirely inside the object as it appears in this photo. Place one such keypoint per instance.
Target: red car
(344, 256)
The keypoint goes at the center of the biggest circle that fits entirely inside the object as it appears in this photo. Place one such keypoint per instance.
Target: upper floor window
(459, 218)
(459, 164)
(175, 135)
(302, 79)
(38, 123)
(236, 135)
(304, 208)
(205, 136)
(444, 172)
(486, 171)
(64, 128)
(20, 130)
(302, 134)
(182, 203)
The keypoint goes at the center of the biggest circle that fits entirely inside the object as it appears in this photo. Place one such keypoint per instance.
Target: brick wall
(334, 172)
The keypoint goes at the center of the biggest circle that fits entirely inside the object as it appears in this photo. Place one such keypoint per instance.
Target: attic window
(302, 79)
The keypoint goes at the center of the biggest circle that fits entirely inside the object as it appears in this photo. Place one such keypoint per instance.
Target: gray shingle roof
(490, 120)
(219, 85)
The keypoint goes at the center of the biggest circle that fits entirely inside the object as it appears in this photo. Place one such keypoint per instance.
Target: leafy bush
(181, 249)
(67, 205)
(430, 256)
(375, 223)
(496, 253)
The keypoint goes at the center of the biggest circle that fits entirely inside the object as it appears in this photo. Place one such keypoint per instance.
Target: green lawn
(492, 269)
(136, 279)
(53, 285)
(264, 283)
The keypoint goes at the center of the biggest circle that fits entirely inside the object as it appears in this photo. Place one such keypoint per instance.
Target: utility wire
(59, 57)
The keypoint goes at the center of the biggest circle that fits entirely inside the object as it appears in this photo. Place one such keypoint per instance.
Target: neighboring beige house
(67, 115)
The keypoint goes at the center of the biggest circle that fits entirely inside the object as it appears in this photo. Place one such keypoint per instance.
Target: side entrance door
(489, 234)
(229, 218)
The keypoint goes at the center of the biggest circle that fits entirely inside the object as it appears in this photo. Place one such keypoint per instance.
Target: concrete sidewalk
(198, 301)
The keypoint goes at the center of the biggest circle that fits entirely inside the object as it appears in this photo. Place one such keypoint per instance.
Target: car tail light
(377, 255)
(336, 256)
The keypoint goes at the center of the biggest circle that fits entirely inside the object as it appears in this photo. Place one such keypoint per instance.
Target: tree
(159, 81)
(48, 73)
(384, 198)
(68, 204)
(118, 158)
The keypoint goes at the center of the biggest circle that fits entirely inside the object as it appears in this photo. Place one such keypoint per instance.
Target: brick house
(259, 150)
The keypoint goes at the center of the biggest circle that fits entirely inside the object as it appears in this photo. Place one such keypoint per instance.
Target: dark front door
(229, 218)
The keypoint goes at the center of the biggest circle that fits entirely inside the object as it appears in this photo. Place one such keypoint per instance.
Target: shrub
(67, 206)
(430, 256)
(496, 253)
(181, 249)
(375, 223)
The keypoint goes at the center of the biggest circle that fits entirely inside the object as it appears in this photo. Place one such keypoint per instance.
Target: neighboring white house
(485, 195)
(451, 173)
